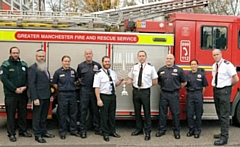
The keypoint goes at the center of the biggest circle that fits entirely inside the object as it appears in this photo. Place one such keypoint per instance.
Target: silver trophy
(122, 66)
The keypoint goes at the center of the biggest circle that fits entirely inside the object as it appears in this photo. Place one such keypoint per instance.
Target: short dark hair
(40, 50)
(66, 56)
(193, 60)
(104, 57)
(142, 51)
(10, 50)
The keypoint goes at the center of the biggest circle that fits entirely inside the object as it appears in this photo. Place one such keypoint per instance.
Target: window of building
(214, 37)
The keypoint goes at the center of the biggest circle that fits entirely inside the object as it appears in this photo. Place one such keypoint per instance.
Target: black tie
(110, 79)
(216, 76)
(140, 76)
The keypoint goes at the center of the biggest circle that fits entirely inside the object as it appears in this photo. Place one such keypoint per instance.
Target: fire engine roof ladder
(80, 21)
(147, 11)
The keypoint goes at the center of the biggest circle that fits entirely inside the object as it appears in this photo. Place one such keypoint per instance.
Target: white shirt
(225, 72)
(101, 81)
(149, 73)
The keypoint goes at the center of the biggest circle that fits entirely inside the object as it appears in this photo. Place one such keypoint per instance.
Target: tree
(220, 7)
(98, 5)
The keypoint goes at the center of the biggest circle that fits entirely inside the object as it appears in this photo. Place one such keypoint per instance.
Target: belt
(68, 91)
(107, 94)
(141, 89)
(223, 87)
(170, 91)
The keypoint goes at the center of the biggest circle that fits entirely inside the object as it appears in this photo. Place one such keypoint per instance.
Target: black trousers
(194, 107)
(40, 117)
(169, 99)
(107, 113)
(67, 106)
(12, 104)
(88, 100)
(142, 98)
(222, 105)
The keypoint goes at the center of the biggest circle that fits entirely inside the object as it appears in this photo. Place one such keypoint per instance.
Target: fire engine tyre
(237, 115)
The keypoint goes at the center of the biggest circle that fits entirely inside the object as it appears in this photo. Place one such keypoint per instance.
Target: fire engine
(187, 36)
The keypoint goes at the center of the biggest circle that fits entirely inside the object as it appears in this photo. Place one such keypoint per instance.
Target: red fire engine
(195, 36)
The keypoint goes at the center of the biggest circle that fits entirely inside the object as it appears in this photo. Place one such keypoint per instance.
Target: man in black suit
(39, 86)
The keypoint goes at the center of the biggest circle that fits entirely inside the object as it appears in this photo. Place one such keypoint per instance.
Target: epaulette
(98, 72)
(24, 63)
(6, 63)
(136, 63)
(149, 64)
(225, 61)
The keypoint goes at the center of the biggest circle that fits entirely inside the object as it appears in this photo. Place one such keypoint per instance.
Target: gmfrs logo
(185, 50)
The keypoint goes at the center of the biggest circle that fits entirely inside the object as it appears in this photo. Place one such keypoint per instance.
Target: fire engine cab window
(214, 37)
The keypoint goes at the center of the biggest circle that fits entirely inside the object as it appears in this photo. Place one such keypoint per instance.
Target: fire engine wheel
(237, 115)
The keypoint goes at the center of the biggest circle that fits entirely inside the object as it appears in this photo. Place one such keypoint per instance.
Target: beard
(41, 66)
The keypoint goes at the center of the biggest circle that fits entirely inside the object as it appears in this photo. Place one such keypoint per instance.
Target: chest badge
(95, 68)
(11, 69)
(72, 72)
(62, 75)
(162, 72)
(199, 76)
(23, 68)
(174, 70)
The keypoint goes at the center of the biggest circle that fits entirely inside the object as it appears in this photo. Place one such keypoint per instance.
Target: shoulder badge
(1, 72)
(95, 68)
(225, 61)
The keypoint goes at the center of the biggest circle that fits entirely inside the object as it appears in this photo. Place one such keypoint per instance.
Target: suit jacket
(39, 83)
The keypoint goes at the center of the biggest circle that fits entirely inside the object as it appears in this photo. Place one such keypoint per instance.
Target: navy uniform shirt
(86, 72)
(170, 79)
(65, 78)
(196, 81)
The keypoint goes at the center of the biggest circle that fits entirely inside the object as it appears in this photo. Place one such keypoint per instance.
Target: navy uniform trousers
(194, 105)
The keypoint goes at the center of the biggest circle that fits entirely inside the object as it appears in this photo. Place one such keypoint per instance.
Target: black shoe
(190, 133)
(217, 136)
(25, 134)
(159, 134)
(115, 135)
(83, 135)
(12, 138)
(98, 133)
(47, 135)
(177, 136)
(147, 137)
(40, 140)
(106, 138)
(75, 134)
(220, 142)
(137, 132)
(63, 137)
(196, 136)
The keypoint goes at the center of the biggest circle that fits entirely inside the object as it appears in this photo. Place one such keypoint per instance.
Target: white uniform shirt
(149, 73)
(101, 81)
(225, 72)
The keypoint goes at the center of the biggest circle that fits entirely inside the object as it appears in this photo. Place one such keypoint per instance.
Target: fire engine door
(124, 57)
